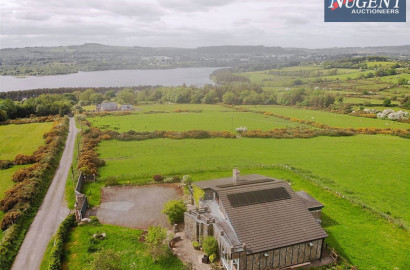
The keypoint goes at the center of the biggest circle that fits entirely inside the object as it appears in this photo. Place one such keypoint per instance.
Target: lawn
(370, 169)
(364, 239)
(206, 120)
(125, 242)
(328, 118)
(21, 139)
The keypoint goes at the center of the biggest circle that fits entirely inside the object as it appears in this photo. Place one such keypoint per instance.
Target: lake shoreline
(197, 76)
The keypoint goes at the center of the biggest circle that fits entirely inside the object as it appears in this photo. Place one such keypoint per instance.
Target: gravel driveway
(136, 206)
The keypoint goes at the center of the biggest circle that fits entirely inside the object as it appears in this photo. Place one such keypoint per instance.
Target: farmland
(207, 120)
(21, 139)
(352, 176)
(328, 118)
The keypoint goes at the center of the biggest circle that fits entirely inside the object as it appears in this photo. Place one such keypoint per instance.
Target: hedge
(57, 251)
(22, 201)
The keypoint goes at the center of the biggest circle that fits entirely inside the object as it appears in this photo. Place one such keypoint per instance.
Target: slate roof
(310, 202)
(268, 225)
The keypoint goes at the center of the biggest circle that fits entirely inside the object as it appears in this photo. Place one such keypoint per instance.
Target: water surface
(111, 78)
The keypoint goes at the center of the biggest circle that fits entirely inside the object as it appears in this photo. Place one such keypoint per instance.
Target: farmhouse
(107, 106)
(258, 221)
(126, 107)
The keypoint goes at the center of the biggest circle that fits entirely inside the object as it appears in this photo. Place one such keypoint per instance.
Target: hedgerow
(22, 201)
(57, 251)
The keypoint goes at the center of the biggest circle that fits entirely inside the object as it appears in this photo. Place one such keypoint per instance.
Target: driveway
(136, 206)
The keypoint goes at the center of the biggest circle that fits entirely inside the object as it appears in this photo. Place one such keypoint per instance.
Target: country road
(51, 213)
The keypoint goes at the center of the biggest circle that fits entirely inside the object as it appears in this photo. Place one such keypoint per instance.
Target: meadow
(357, 166)
(133, 253)
(328, 118)
(21, 139)
(206, 120)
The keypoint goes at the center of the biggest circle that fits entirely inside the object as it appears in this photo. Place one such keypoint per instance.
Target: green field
(5, 178)
(358, 166)
(21, 139)
(125, 242)
(328, 118)
(207, 120)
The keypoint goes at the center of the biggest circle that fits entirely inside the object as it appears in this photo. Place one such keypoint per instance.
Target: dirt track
(51, 213)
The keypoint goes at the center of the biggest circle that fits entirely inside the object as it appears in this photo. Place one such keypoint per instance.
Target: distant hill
(94, 56)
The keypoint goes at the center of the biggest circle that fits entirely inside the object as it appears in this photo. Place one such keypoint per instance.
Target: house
(258, 221)
(126, 108)
(107, 106)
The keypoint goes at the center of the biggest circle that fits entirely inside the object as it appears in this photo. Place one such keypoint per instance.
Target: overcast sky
(186, 23)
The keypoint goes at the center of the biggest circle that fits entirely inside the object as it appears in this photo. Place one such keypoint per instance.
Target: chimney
(235, 175)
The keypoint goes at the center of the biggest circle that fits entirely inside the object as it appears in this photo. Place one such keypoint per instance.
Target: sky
(186, 24)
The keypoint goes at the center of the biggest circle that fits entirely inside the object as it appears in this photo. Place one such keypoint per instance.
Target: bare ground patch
(136, 206)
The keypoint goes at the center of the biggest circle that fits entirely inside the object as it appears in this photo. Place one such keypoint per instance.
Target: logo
(365, 10)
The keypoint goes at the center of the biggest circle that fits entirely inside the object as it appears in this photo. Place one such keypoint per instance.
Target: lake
(111, 78)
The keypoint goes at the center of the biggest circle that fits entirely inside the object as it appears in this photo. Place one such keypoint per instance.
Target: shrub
(6, 164)
(94, 221)
(106, 259)
(111, 181)
(8, 219)
(24, 159)
(155, 240)
(174, 209)
(57, 251)
(186, 180)
(210, 246)
(212, 258)
(158, 178)
(196, 245)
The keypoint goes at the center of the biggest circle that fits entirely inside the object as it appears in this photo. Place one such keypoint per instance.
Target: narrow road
(52, 212)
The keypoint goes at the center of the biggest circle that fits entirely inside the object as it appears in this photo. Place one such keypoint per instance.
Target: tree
(3, 116)
(174, 209)
(155, 240)
(211, 97)
(210, 246)
(126, 96)
(96, 98)
(106, 259)
(229, 98)
(387, 102)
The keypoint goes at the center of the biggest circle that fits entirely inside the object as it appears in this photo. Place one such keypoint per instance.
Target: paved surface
(51, 213)
(136, 206)
(184, 250)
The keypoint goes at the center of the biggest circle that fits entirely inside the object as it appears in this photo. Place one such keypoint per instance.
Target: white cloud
(184, 23)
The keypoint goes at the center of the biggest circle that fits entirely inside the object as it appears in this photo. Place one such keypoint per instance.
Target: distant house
(107, 106)
(126, 108)
(258, 221)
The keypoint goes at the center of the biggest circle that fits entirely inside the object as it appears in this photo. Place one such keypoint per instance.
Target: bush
(158, 178)
(106, 259)
(24, 159)
(111, 181)
(8, 219)
(6, 164)
(155, 240)
(210, 246)
(174, 209)
(212, 258)
(94, 221)
(57, 252)
(196, 245)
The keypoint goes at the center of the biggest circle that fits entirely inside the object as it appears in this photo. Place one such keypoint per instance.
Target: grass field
(5, 178)
(328, 118)
(206, 120)
(125, 242)
(21, 139)
(360, 166)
